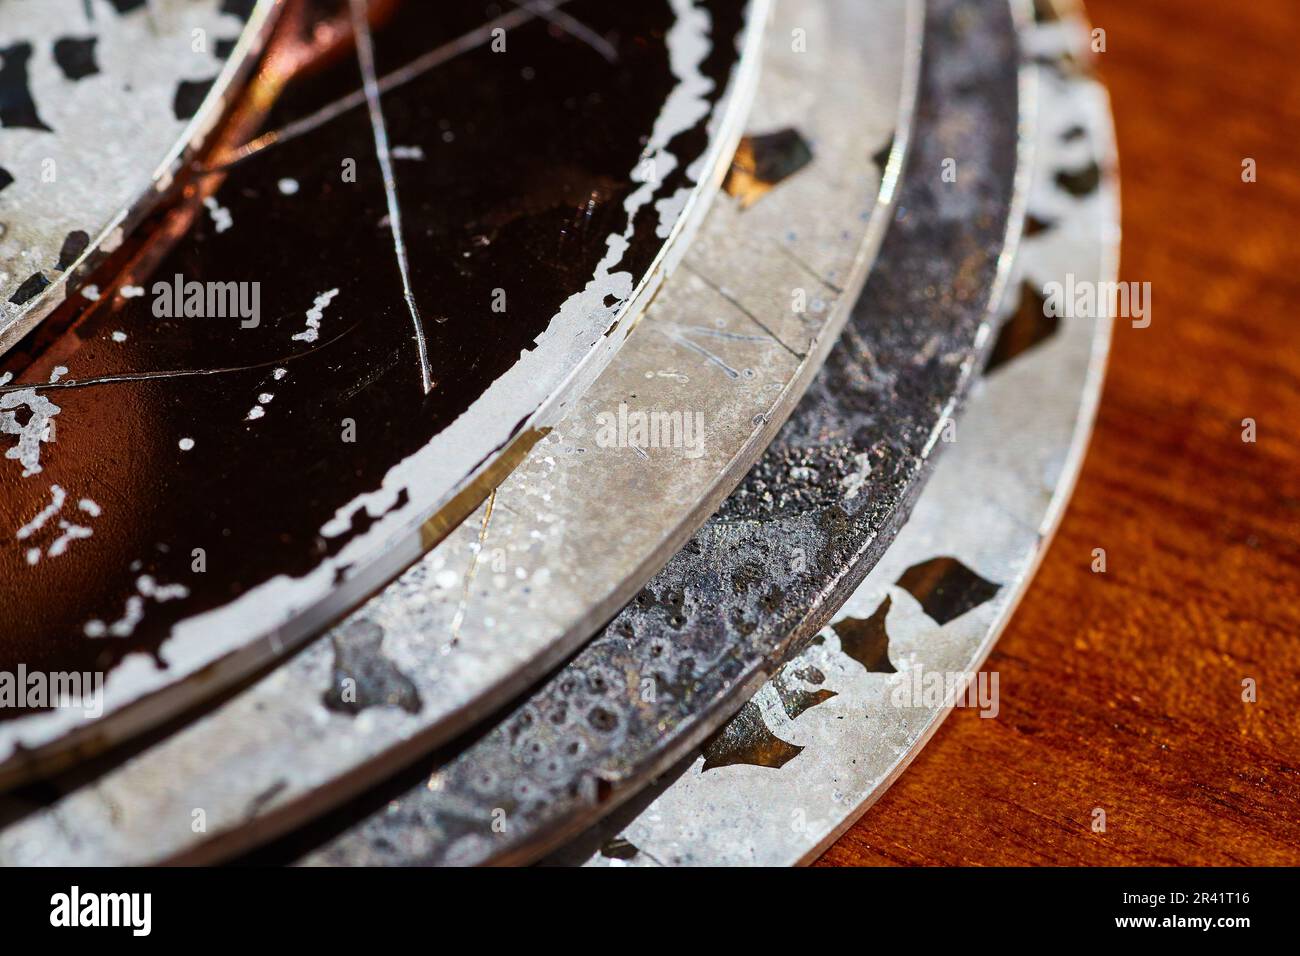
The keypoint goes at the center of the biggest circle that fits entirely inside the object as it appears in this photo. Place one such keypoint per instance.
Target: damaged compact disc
(541, 430)
(369, 302)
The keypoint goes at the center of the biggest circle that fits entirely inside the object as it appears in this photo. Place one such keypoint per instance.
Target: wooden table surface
(1123, 690)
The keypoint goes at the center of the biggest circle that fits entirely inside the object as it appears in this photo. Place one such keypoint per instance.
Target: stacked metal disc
(475, 433)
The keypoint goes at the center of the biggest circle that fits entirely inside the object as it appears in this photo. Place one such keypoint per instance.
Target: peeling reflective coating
(873, 722)
(321, 347)
(98, 101)
(747, 590)
(537, 569)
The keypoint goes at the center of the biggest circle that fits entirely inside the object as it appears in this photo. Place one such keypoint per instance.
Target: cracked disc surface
(538, 568)
(803, 529)
(369, 302)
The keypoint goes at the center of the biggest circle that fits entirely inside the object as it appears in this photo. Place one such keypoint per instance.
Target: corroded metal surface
(830, 732)
(798, 536)
(101, 102)
(537, 569)
(224, 485)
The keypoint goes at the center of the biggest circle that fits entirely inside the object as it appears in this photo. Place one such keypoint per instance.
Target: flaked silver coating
(792, 543)
(102, 103)
(571, 535)
(835, 727)
(331, 540)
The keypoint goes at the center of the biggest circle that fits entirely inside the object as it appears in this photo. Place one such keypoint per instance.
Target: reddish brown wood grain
(1123, 690)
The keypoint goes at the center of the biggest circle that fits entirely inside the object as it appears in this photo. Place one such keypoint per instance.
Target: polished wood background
(1123, 690)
